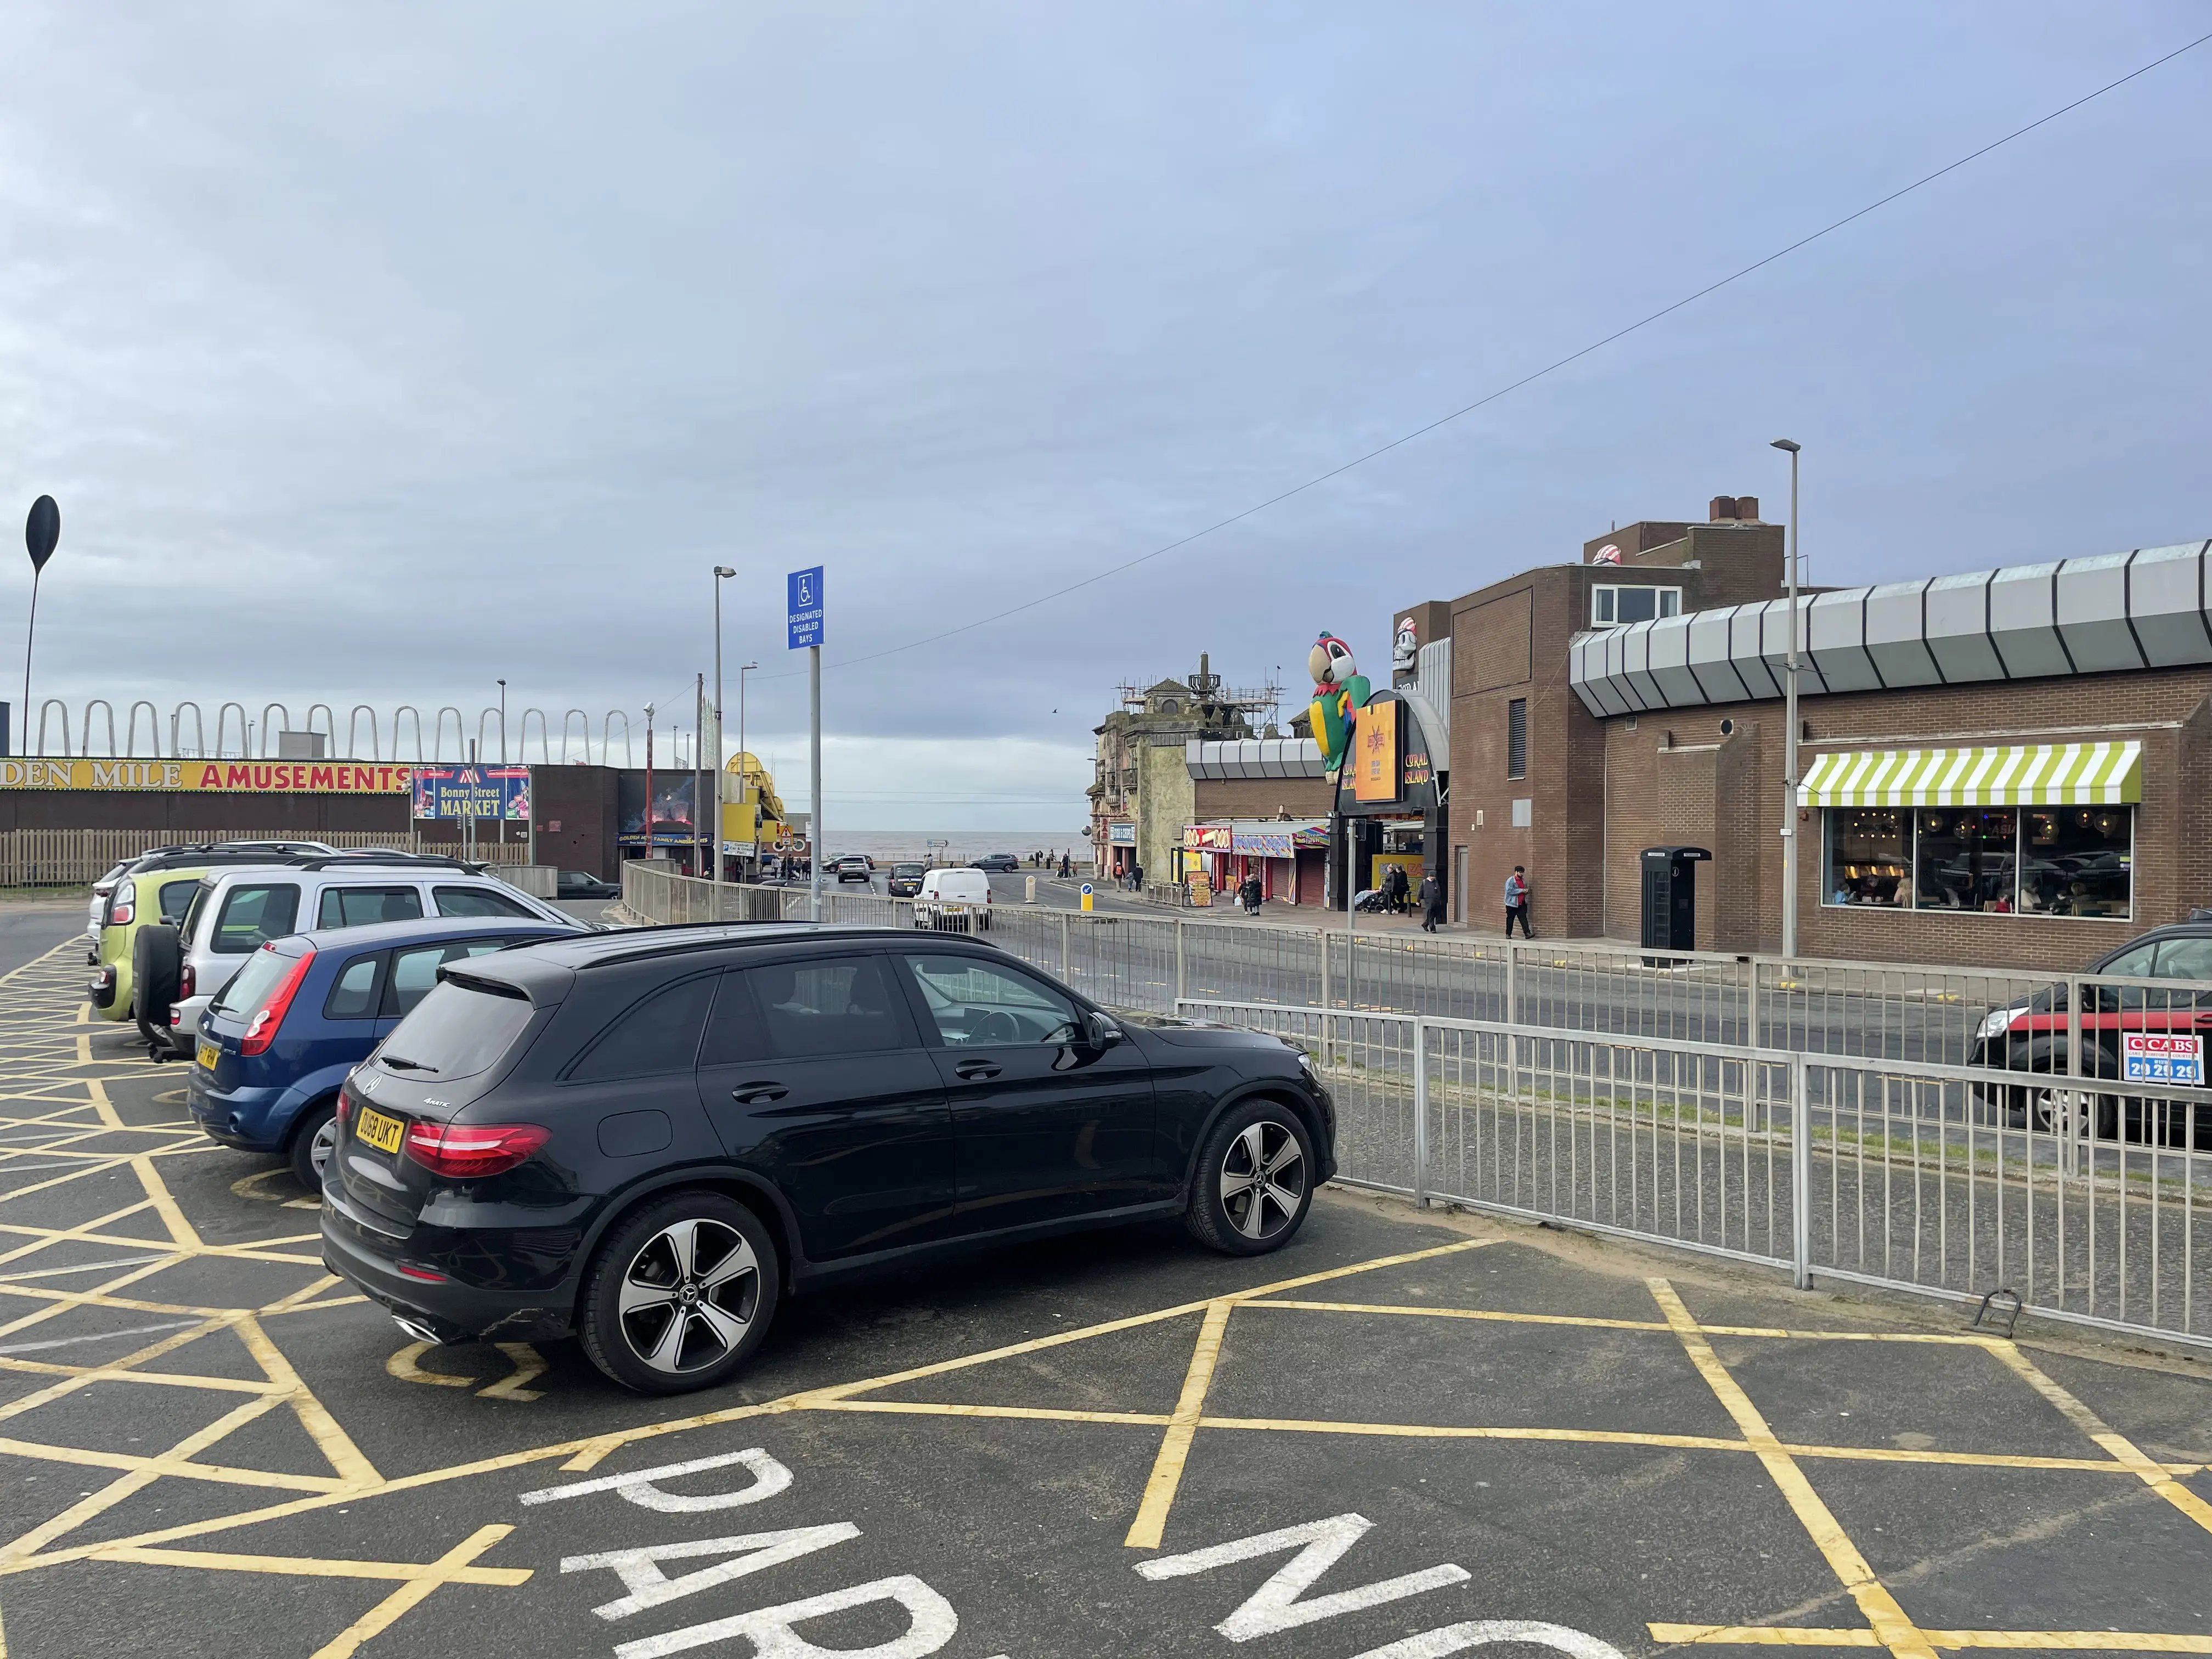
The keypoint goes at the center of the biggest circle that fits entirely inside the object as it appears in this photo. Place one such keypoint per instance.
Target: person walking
(1394, 889)
(1517, 903)
(1431, 898)
(1250, 894)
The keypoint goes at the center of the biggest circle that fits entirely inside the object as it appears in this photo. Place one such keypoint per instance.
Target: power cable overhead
(1527, 379)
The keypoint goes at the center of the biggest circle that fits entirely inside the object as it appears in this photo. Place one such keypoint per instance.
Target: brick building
(1142, 793)
(1528, 760)
(2005, 767)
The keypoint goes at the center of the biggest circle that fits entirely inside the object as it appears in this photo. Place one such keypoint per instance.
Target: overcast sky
(376, 352)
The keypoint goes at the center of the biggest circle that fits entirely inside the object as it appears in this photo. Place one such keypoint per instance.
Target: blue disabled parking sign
(805, 607)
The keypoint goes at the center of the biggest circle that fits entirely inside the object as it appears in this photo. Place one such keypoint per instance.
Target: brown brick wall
(1491, 643)
(2166, 711)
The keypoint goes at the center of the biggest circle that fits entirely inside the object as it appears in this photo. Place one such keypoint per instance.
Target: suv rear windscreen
(253, 913)
(455, 1031)
(908, 872)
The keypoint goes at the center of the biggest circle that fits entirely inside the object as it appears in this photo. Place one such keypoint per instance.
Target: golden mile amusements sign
(229, 777)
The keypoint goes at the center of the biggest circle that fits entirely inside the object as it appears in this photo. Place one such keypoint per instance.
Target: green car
(156, 890)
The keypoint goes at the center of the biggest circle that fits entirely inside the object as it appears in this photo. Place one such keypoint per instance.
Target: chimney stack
(1723, 509)
(1746, 508)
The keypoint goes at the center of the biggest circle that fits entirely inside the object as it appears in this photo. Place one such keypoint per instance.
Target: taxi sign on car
(2162, 1057)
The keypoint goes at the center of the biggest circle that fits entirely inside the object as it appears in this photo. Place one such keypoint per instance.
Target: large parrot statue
(1340, 691)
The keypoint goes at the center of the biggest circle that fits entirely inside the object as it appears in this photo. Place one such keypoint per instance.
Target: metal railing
(2070, 1024)
(1813, 1116)
(1911, 1176)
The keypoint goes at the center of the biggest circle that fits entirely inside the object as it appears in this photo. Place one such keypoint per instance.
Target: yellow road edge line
(1144, 1532)
(1896, 1632)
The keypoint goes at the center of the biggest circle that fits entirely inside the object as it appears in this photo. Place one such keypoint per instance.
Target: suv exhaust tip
(422, 1331)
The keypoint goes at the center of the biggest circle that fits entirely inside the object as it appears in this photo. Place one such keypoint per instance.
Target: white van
(954, 901)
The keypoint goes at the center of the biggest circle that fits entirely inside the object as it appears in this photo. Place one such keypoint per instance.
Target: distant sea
(884, 845)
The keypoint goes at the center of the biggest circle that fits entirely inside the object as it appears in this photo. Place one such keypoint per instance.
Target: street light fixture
(722, 573)
(1789, 735)
(746, 791)
(502, 762)
(41, 532)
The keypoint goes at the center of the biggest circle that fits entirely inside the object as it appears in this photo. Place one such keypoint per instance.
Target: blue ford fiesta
(305, 1009)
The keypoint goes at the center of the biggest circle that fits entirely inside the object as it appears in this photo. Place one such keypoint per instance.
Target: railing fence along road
(1822, 1117)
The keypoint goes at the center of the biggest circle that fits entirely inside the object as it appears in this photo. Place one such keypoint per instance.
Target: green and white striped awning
(2052, 774)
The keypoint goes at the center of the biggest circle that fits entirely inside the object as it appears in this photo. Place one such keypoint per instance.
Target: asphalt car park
(1402, 1435)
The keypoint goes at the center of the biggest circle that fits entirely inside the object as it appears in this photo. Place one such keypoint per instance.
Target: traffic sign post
(803, 618)
(1086, 890)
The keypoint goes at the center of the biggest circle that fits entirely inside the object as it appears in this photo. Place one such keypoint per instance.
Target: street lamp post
(41, 531)
(1789, 837)
(502, 762)
(722, 573)
(746, 793)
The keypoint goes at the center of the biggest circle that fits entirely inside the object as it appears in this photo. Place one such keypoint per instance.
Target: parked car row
(176, 922)
(523, 1127)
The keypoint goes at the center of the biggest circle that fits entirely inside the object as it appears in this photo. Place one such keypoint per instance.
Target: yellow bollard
(1086, 896)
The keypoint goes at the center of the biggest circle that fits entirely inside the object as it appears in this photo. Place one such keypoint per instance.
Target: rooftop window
(1612, 606)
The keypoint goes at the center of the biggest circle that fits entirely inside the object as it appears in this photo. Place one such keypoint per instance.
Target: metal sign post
(803, 618)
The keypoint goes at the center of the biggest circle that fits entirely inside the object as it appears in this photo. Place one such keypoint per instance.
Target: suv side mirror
(1101, 1032)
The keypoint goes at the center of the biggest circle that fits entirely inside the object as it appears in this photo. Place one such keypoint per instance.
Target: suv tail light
(261, 1030)
(188, 981)
(472, 1149)
(123, 904)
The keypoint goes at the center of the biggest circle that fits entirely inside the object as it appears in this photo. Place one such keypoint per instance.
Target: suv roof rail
(176, 855)
(348, 860)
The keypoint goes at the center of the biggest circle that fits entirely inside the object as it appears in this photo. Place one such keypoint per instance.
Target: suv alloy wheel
(681, 1294)
(1254, 1181)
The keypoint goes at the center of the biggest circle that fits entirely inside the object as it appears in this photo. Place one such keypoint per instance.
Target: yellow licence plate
(207, 1054)
(379, 1131)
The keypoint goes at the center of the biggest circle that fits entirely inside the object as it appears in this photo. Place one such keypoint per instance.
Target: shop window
(1517, 738)
(2077, 861)
(1612, 607)
(1869, 856)
(1967, 860)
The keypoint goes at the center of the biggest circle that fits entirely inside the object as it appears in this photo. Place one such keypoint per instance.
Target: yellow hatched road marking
(2155, 1475)
(445, 1570)
(1151, 1520)
(2061, 1641)
(307, 1566)
(1895, 1630)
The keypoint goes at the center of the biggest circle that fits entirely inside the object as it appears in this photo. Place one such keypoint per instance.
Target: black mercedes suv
(650, 1138)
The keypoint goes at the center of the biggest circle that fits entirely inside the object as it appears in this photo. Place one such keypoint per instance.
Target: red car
(2032, 1036)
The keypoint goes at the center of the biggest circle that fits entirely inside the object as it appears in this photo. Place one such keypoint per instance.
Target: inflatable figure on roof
(1340, 691)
